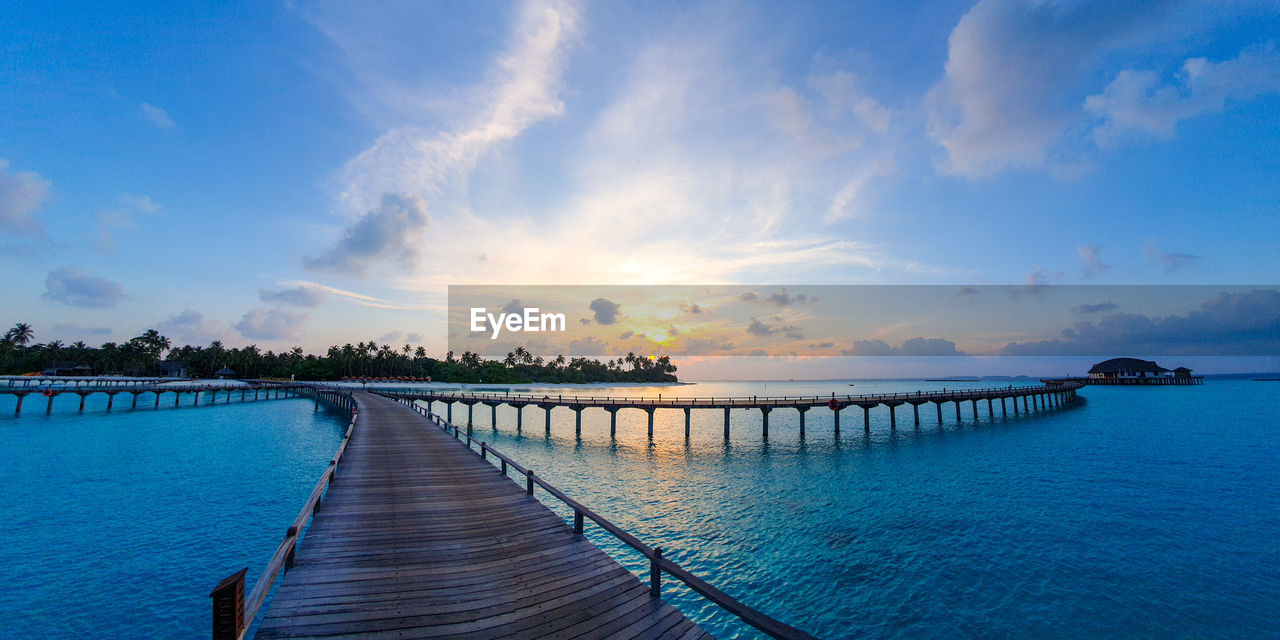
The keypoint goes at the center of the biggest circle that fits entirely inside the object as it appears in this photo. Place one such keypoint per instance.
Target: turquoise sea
(1138, 512)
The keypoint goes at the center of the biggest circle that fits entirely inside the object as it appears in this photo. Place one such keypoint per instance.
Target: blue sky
(316, 173)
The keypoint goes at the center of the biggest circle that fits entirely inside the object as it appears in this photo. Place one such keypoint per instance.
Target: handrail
(1010, 391)
(233, 612)
(657, 563)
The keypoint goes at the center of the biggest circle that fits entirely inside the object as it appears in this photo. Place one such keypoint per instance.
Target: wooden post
(82, 397)
(650, 412)
(111, 399)
(17, 411)
(470, 406)
(228, 606)
(938, 404)
(519, 418)
(449, 412)
(655, 573)
(991, 412)
(957, 403)
(726, 424)
(135, 401)
(802, 411)
(893, 417)
(764, 422)
(915, 413)
(548, 408)
(974, 405)
(577, 522)
(687, 411)
(577, 421)
(528, 481)
(493, 417)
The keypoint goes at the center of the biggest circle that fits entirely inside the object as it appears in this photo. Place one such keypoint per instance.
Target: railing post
(528, 479)
(577, 522)
(228, 606)
(655, 573)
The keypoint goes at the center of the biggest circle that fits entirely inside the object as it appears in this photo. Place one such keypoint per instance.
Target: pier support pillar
(764, 422)
(577, 421)
(49, 409)
(519, 418)
(915, 413)
(157, 399)
(893, 417)
(613, 421)
(470, 409)
(111, 400)
(866, 418)
(938, 405)
(957, 403)
(196, 402)
(802, 410)
(548, 412)
(726, 424)
(17, 410)
(991, 412)
(1025, 405)
(82, 396)
(135, 402)
(448, 407)
(974, 405)
(650, 412)
(688, 420)
(493, 417)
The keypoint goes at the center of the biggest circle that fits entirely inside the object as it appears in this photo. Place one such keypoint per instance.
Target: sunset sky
(313, 173)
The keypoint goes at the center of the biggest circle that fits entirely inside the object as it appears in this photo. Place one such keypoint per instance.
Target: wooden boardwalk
(419, 538)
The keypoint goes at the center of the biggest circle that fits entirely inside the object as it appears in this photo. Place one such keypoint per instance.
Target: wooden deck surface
(419, 538)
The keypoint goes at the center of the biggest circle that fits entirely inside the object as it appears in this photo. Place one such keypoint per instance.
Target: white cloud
(21, 195)
(1138, 103)
(523, 90)
(157, 116)
(190, 328)
(271, 324)
(1013, 68)
(391, 235)
(1091, 256)
(73, 287)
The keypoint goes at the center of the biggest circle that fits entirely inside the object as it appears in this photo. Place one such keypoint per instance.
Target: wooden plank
(418, 537)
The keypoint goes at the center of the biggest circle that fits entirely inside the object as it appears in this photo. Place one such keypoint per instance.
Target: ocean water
(1143, 512)
(118, 525)
(1138, 512)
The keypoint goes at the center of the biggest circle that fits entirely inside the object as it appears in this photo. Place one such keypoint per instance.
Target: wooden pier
(1149, 381)
(135, 389)
(420, 536)
(1050, 395)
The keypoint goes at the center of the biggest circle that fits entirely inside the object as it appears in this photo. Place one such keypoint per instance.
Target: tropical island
(152, 354)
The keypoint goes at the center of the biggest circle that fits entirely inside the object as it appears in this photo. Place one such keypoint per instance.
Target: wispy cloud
(1172, 261)
(157, 116)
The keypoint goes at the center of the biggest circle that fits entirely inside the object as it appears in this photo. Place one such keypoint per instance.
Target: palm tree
(21, 334)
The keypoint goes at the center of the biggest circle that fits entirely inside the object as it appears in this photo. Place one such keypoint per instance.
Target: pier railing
(233, 611)
(950, 395)
(657, 563)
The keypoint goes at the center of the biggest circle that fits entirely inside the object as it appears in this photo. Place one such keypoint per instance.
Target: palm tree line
(143, 354)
